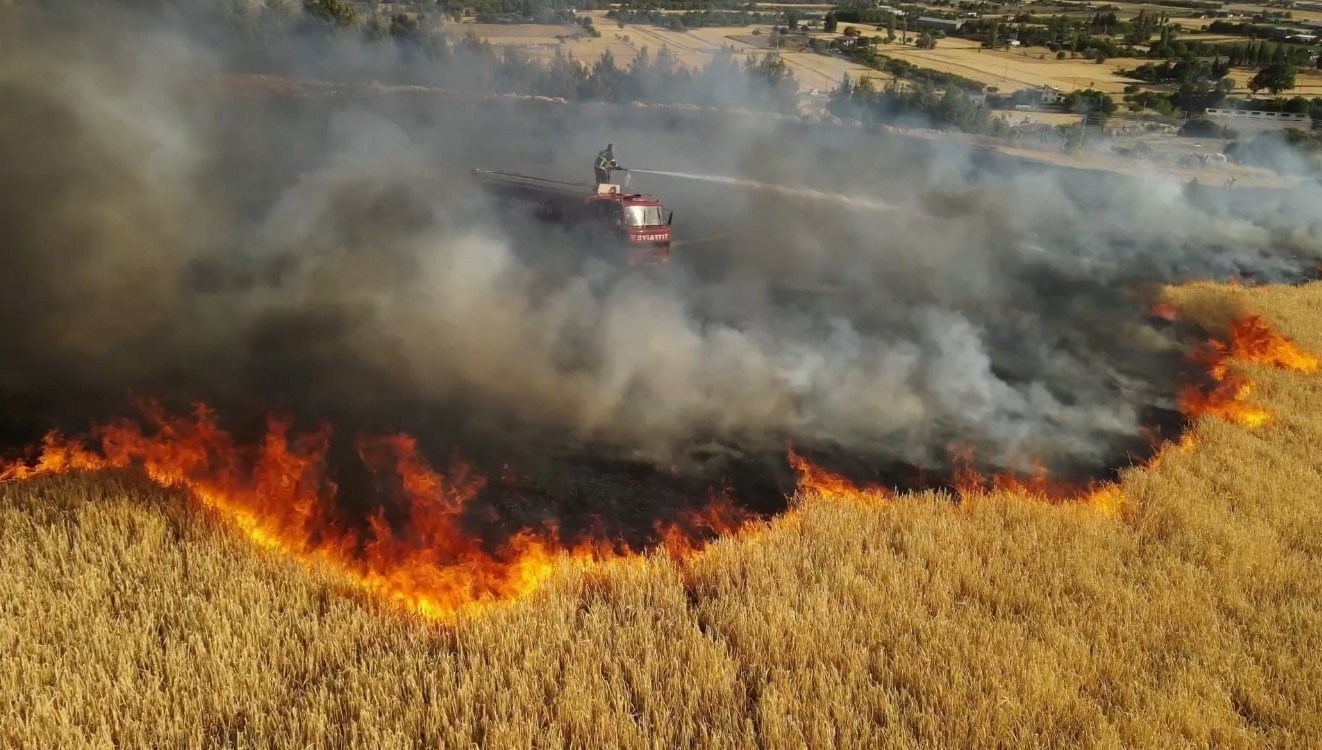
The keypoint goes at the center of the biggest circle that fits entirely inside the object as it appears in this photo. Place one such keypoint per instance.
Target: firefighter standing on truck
(605, 163)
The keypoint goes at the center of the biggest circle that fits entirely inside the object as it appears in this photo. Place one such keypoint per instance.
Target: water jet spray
(864, 204)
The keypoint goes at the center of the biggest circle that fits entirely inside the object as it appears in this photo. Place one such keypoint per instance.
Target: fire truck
(634, 223)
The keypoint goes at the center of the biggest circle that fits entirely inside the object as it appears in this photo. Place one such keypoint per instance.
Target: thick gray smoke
(168, 233)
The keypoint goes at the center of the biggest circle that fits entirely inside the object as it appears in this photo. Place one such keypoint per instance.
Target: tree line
(1250, 30)
(764, 82)
(920, 104)
(330, 38)
(693, 19)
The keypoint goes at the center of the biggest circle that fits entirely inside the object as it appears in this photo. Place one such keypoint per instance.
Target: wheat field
(128, 618)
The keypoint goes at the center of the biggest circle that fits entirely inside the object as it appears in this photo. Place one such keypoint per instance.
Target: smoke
(170, 235)
(100, 215)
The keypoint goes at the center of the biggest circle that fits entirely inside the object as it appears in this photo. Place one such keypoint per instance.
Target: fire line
(277, 492)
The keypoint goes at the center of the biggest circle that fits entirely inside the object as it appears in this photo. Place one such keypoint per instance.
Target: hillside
(132, 618)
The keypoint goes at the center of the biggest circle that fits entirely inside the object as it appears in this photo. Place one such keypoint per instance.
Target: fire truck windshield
(643, 216)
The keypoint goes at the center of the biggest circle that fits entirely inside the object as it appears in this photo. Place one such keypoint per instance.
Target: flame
(278, 495)
(1250, 340)
(419, 556)
(1227, 400)
(814, 480)
(720, 517)
(1164, 311)
(966, 484)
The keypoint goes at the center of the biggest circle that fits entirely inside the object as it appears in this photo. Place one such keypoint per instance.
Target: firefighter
(605, 163)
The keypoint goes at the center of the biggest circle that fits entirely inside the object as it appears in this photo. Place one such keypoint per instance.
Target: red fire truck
(633, 222)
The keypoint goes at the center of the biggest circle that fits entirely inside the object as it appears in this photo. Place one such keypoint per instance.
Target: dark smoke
(173, 235)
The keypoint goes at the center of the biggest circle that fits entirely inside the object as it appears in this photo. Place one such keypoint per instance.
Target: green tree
(830, 23)
(1275, 78)
(841, 98)
(1090, 102)
(773, 80)
(338, 13)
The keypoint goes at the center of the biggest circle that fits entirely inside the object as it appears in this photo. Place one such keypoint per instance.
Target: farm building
(939, 24)
(1049, 95)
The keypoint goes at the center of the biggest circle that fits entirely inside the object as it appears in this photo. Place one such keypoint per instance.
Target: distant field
(1307, 82)
(811, 70)
(1295, 13)
(692, 49)
(1016, 68)
(529, 33)
(1217, 38)
(1184, 14)
(1007, 70)
(815, 71)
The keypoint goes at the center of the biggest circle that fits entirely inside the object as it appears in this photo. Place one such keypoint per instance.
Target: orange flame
(815, 480)
(1250, 340)
(1164, 311)
(277, 494)
(720, 517)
